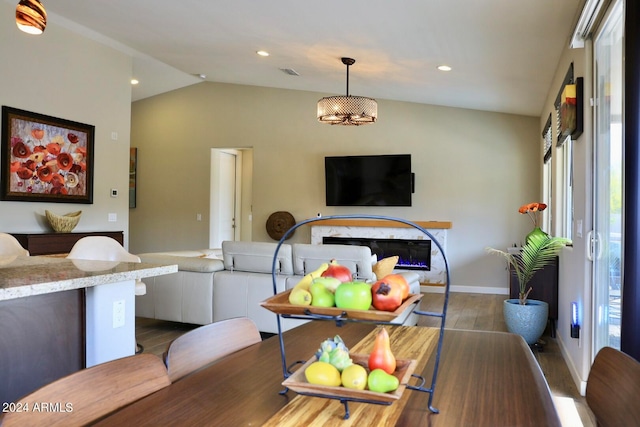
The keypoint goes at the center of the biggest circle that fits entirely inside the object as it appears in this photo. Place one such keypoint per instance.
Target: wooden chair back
(613, 389)
(206, 344)
(90, 394)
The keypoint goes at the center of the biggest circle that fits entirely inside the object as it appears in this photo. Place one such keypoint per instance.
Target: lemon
(355, 377)
(322, 373)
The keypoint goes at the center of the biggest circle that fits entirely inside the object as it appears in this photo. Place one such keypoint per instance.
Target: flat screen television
(378, 180)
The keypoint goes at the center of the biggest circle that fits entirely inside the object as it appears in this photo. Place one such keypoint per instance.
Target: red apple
(338, 271)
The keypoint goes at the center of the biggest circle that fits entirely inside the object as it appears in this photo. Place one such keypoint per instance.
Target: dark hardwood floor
(465, 311)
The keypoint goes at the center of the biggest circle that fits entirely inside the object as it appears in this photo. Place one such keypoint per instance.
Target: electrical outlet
(118, 314)
(114, 192)
(198, 217)
(113, 217)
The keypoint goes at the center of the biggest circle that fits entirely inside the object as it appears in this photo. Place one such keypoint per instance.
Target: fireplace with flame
(412, 254)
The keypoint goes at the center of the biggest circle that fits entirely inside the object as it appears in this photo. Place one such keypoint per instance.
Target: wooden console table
(58, 243)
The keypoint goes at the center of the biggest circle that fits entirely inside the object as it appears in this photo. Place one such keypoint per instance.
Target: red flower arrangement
(533, 210)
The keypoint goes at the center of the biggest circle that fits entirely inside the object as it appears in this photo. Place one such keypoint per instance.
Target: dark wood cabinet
(58, 243)
(41, 340)
(545, 288)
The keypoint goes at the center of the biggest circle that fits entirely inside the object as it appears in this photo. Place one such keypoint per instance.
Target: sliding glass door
(608, 181)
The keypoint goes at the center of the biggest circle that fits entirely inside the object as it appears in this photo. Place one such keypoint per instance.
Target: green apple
(320, 296)
(353, 295)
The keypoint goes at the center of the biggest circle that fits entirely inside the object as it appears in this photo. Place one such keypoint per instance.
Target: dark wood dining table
(484, 379)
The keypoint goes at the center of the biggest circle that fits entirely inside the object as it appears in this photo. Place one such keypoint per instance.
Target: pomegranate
(338, 271)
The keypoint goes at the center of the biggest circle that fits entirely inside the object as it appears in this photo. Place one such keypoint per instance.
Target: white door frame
(214, 204)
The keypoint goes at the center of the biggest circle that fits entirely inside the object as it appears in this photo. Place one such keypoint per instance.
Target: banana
(317, 273)
(305, 282)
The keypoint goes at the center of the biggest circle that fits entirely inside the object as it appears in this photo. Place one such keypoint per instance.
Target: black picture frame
(45, 158)
(133, 172)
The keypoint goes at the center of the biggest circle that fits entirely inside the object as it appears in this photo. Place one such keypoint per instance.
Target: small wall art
(45, 159)
(571, 109)
(133, 168)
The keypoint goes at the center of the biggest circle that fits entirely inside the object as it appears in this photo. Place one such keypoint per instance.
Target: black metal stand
(340, 319)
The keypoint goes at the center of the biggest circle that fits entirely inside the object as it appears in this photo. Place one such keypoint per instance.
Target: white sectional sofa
(212, 286)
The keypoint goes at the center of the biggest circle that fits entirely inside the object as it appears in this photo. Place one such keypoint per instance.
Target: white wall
(62, 74)
(473, 168)
(575, 269)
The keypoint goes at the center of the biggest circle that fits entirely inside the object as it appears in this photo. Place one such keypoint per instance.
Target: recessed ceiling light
(202, 76)
(444, 68)
(134, 81)
(262, 53)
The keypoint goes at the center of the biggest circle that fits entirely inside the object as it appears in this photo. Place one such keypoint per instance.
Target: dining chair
(89, 394)
(206, 344)
(104, 248)
(9, 246)
(613, 389)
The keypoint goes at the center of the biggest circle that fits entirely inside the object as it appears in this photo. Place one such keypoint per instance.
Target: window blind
(547, 140)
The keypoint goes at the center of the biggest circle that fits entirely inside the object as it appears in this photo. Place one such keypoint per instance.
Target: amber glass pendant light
(31, 16)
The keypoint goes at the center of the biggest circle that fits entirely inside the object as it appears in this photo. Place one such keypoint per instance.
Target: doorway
(225, 196)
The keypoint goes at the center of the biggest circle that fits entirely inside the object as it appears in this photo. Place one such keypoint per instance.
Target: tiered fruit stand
(280, 306)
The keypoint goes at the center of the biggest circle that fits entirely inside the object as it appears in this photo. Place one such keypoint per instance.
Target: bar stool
(9, 246)
(102, 248)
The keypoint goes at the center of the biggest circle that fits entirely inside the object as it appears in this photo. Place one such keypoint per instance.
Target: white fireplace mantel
(382, 229)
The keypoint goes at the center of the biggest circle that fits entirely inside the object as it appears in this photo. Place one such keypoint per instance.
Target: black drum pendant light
(31, 16)
(347, 110)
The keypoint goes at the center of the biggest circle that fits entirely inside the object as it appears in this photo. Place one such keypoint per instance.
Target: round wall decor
(279, 223)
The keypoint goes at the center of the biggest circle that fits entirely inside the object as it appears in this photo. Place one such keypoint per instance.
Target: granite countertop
(24, 276)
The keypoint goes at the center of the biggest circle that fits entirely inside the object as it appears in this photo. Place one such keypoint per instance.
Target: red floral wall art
(46, 159)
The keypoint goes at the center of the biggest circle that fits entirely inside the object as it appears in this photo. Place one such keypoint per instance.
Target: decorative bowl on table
(280, 304)
(63, 223)
(298, 383)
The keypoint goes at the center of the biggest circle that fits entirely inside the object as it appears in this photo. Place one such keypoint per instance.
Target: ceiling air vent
(289, 71)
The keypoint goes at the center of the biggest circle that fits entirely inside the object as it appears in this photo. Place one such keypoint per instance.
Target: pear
(381, 382)
(321, 296)
(299, 296)
(331, 283)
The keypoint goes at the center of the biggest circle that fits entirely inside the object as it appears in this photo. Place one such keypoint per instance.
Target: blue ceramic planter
(528, 320)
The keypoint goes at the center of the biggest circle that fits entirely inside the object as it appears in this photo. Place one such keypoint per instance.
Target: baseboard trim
(581, 384)
(465, 289)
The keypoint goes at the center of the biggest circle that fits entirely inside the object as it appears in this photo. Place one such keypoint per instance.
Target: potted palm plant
(525, 316)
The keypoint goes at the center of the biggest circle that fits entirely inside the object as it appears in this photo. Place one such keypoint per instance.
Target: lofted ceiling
(504, 53)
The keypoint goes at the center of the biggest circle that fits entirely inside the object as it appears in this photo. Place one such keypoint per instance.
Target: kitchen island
(59, 315)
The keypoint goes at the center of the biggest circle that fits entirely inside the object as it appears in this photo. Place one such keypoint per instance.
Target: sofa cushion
(256, 257)
(307, 258)
(185, 263)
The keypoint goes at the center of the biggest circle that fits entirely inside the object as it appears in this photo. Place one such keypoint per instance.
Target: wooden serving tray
(298, 383)
(279, 304)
